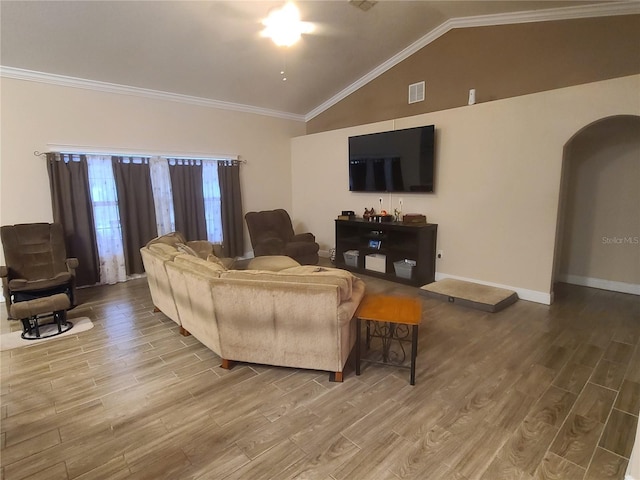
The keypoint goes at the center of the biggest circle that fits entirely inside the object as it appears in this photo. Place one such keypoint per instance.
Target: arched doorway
(598, 232)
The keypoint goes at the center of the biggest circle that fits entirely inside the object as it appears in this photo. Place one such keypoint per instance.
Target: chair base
(31, 326)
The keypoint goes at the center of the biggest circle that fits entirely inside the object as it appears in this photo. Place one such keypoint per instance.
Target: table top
(390, 308)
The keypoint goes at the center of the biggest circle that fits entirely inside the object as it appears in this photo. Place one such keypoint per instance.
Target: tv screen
(396, 161)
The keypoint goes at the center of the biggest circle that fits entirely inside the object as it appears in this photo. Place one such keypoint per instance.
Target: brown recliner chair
(37, 263)
(271, 233)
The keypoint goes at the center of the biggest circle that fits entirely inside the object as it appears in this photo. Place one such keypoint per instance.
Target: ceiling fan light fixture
(284, 26)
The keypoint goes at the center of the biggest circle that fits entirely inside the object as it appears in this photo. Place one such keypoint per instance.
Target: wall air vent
(416, 92)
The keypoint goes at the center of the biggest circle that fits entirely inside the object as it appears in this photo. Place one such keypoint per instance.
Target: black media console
(396, 241)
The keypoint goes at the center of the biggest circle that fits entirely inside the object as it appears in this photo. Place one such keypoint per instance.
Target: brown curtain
(71, 202)
(188, 199)
(231, 208)
(136, 208)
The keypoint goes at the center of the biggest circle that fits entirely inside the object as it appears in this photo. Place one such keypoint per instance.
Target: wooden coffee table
(389, 311)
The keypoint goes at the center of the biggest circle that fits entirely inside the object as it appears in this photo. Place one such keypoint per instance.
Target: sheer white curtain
(211, 193)
(106, 219)
(162, 195)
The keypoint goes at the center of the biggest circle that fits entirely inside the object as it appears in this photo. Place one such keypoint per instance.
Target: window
(162, 195)
(111, 196)
(211, 192)
(106, 219)
(104, 200)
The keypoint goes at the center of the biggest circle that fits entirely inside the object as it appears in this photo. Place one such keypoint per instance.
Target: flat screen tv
(396, 161)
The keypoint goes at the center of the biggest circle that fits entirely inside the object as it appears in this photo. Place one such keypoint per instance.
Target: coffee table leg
(414, 353)
(358, 346)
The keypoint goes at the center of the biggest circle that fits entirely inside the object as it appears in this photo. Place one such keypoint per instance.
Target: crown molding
(74, 82)
(566, 13)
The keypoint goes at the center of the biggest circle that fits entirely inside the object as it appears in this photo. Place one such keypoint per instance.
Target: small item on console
(414, 219)
(347, 215)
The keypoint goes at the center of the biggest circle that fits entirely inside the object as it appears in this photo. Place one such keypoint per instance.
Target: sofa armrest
(347, 308)
(303, 237)
(72, 263)
(4, 271)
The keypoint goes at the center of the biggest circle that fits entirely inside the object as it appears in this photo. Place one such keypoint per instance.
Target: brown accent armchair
(37, 263)
(271, 233)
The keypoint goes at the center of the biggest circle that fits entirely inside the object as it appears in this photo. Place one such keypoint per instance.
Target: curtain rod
(137, 153)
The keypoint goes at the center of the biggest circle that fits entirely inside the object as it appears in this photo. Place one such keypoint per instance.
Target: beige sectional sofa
(164, 248)
(299, 316)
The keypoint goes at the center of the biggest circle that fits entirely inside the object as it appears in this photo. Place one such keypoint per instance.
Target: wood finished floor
(532, 392)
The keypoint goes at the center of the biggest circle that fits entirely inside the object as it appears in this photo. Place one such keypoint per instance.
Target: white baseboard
(523, 293)
(611, 285)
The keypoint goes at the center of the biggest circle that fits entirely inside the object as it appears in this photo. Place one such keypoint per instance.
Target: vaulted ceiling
(212, 49)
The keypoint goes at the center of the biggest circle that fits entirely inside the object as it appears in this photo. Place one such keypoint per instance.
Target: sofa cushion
(316, 269)
(186, 249)
(301, 274)
(273, 263)
(21, 284)
(164, 249)
(167, 239)
(213, 259)
(199, 265)
(200, 248)
(327, 272)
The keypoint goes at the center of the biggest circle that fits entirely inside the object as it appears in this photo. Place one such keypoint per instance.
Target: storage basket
(376, 262)
(351, 257)
(404, 268)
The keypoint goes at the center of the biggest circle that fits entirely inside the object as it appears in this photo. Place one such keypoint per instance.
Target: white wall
(497, 180)
(498, 165)
(36, 114)
(600, 244)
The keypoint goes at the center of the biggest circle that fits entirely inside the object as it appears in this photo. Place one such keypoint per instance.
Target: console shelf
(398, 241)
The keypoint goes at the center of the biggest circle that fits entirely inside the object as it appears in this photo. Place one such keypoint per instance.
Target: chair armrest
(72, 263)
(4, 271)
(303, 237)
